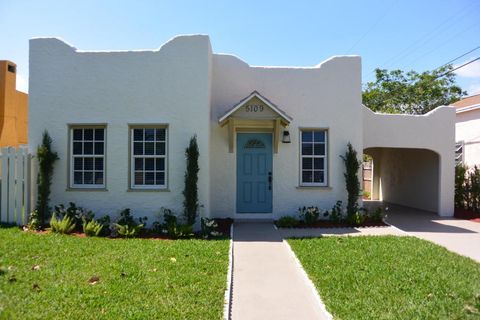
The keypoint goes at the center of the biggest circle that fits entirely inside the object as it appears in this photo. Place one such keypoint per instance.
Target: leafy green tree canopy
(411, 92)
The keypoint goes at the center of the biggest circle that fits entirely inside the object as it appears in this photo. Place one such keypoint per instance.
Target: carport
(413, 158)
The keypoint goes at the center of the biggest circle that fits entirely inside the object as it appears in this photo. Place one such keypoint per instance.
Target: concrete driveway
(460, 236)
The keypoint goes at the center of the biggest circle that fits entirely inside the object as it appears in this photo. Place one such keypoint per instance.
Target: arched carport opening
(406, 176)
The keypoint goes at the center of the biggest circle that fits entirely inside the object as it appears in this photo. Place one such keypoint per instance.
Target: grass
(137, 278)
(390, 278)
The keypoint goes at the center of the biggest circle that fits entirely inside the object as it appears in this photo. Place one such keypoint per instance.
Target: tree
(46, 157)
(410, 92)
(190, 203)
(352, 184)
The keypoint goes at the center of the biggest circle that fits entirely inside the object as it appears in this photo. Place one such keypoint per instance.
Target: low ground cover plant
(387, 277)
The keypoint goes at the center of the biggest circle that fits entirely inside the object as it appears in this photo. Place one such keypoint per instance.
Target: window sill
(147, 190)
(87, 189)
(314, 187)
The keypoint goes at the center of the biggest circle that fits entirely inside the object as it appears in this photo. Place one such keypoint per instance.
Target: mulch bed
(467, 215)
(331, 224)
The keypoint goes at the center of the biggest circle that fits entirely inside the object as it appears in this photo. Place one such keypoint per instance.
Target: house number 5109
(254, 108)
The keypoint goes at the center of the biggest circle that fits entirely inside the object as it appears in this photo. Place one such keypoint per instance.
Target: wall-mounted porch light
(286, 137)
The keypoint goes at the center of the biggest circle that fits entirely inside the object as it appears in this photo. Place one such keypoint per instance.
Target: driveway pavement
(460, 236)
(267, 282)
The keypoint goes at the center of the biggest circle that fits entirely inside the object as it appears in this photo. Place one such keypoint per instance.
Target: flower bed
(461, 213)
(331, 224)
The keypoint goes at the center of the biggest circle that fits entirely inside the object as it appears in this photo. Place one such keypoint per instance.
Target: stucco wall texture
(184, 85)
(467, 129)
(13, 108)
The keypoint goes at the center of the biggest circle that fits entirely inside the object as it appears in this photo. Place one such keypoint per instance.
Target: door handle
(270, 180)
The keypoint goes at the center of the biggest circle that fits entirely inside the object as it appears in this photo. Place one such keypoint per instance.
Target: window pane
(138, 164)
(307, 176)
(319, 149)
(99, 164)
(78, 163)
(88, 177)
(160, 165)
(99, 148)
(77, 134)
(137, 134)
(307, 149)
(149, 148)
(160, 148)
(307, 136)
(318, 176)
(138, 177)
(88, 148)
(138, 148)
(98, 177)
(77, 177)
(88, 134)
(160, 134)
(149, 178)
(87, 163)
(318, 163)
(99, 134)
(77, 148)
(319, 136)
(149, 134)
(149, 164)
(307, 163)
(160, 178)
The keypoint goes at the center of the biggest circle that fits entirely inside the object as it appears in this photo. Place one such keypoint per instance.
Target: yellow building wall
(13, 108)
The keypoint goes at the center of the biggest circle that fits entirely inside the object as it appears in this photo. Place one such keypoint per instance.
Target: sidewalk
(267, 282)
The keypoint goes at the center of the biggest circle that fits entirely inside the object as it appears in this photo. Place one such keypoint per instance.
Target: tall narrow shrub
(46, 158)
(190, 193)
(352, 184)
(460, 185)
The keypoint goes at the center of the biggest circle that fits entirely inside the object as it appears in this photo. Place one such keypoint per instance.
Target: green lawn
(390, 278)
(138, 278)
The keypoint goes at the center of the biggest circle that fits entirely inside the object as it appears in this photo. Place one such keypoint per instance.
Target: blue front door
(254, 173)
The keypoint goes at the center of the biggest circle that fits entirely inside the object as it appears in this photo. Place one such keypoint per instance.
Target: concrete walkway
(326, 232)
(267, 282)
(460, 236)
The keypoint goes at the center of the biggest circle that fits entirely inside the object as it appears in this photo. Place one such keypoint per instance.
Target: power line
(463, 55)
(463, 65)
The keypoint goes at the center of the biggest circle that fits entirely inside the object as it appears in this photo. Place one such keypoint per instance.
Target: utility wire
(453, 60)
(463, 65)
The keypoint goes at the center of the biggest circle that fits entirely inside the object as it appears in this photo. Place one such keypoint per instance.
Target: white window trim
(132, 157)
(71, 184)
(325, 156)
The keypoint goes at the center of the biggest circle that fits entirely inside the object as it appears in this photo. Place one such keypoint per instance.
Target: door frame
(252, 215)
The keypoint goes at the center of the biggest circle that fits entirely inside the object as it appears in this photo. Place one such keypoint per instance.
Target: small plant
(357, 219)
(352, 184)
(309, 215)
(105, 221)
(336, 214)
(46, 158)
(287, 222)
(34, 221)
(366, 194)
(126, 225)
(190, 192)
(209, 228)
(378, 214)
(77, 214)
(92, 228)
(65, 225)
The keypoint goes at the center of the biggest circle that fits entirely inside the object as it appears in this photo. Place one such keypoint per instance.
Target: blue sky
(410, 35)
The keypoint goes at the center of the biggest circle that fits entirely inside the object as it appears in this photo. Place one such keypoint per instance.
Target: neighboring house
(467, 130)
(13, 108)
(270, 138)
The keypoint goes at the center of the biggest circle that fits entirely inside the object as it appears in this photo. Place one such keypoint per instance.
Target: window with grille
(313, 162)
(87, 161)
(148, 157)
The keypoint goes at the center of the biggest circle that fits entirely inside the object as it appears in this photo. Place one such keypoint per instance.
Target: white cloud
(22, 83)
(469, 71)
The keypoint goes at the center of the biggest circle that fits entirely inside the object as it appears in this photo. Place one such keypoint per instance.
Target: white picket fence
(15, 185)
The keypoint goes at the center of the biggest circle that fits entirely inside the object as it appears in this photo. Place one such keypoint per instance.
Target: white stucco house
(270, 138)
(467, 130)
